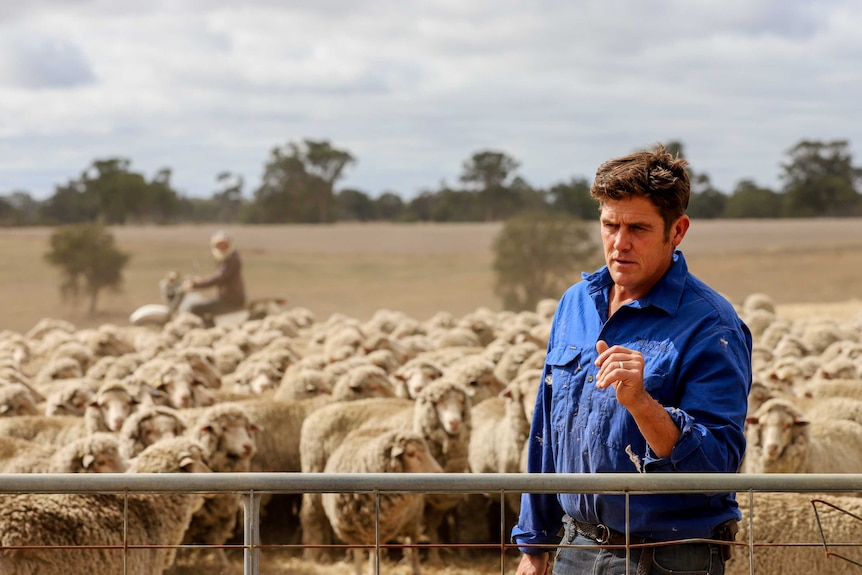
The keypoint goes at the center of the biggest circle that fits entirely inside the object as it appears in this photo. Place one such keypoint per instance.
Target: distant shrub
(88, 260)
(537, 255)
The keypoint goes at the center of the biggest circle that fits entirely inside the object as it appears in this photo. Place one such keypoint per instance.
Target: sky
(412, 89)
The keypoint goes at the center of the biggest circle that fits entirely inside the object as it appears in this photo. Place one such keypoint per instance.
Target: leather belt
(604, 535)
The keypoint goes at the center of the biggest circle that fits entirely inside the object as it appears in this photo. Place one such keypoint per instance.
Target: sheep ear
(752, 420)
(88, 460)
(255, 428)
(186, 461)
(800, 422)
(397, 450)
(207, 429)
(507, 391)
(4, 408)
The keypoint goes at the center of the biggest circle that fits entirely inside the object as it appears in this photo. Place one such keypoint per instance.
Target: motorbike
(175, 301)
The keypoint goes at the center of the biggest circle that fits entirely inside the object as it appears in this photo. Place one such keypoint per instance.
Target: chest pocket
(565, 371)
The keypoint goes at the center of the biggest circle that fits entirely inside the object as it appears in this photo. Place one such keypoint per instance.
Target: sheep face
(176, 384)
(114, 406)
(158, 427)
(104, 463)
(417, 377)
(413, 457)
(234, 438)
(774, 430)
(17, 401)
(75, 402)
(450, 411)
(263, 381)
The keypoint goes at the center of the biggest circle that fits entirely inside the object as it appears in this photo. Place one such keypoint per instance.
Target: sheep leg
(315, 528)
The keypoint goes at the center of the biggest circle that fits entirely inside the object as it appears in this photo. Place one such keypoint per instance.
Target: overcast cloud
(412, 89)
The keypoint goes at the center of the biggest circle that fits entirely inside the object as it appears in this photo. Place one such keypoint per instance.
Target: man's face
(220, 250)
(637, 251)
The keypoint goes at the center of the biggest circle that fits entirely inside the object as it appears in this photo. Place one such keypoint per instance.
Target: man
(648, 371)
(227, 279)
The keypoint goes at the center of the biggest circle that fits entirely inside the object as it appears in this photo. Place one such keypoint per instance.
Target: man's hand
(534, 564)
(622, 369)
(188, 285)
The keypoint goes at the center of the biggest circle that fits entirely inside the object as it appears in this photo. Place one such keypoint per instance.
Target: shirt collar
(665, 294)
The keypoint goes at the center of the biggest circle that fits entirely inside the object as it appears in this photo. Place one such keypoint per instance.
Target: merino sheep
(71, 398)
(441, 415)
(51, 431)
(512, 359)
(254, 377)
(796, 519)
(228, 434)
(303, 383)
(152, 523)
(23, 456)
(148, 426)
(476, 373)
(17, 399)
(415, 375)
(111, 406)
(96, 453)
(498, 438)
(781, 440)
(357, 517)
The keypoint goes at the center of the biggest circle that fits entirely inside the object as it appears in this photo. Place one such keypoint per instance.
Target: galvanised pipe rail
(632, 483)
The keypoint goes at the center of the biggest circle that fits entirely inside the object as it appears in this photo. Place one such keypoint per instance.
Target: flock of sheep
(804, 416)
(288, 393)
(279, 393)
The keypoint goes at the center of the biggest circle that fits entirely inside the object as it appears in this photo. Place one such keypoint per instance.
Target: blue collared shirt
(697, 363)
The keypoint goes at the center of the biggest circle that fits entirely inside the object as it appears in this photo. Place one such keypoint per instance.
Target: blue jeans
(679, 559)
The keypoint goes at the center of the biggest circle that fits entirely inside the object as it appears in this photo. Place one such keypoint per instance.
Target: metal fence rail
(253, 485)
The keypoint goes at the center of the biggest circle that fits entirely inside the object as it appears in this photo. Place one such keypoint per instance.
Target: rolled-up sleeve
(541, 515)
(712, 410)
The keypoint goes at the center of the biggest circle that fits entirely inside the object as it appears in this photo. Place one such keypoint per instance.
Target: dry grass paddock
(420, 269)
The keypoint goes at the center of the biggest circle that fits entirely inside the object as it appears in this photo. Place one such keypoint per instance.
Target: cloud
(412, 89)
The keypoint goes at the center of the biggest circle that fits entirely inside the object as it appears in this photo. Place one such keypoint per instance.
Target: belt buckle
(604, 535)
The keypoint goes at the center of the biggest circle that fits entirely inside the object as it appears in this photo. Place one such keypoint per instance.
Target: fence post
(251, 533)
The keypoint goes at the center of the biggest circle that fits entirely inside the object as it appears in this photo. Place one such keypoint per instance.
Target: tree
(706, 201)
(389, 206)
(298, 181)
(489, 172)
(820, 180)
(751, 201)
(537, 255)
(229, 196)
(88, 260)
(574, 199)
(110, 192)
(354, 205)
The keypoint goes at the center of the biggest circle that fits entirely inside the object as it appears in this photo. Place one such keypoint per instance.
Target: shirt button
(590, 378)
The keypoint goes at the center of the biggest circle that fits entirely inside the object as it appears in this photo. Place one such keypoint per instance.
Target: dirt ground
(805, 265)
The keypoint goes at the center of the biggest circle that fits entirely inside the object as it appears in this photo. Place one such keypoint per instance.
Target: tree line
(299, 185)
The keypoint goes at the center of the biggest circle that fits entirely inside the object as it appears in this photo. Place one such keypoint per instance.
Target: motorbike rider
(227, 279)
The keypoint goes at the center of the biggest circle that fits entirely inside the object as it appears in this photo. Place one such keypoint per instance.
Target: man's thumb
(601, 346)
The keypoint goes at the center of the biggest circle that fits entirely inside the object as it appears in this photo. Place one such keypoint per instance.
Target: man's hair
(653, 174)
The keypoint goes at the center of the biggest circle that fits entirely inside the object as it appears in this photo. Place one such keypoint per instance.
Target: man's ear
(678, 230)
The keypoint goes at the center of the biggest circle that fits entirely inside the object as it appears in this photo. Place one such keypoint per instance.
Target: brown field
(420, 269)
